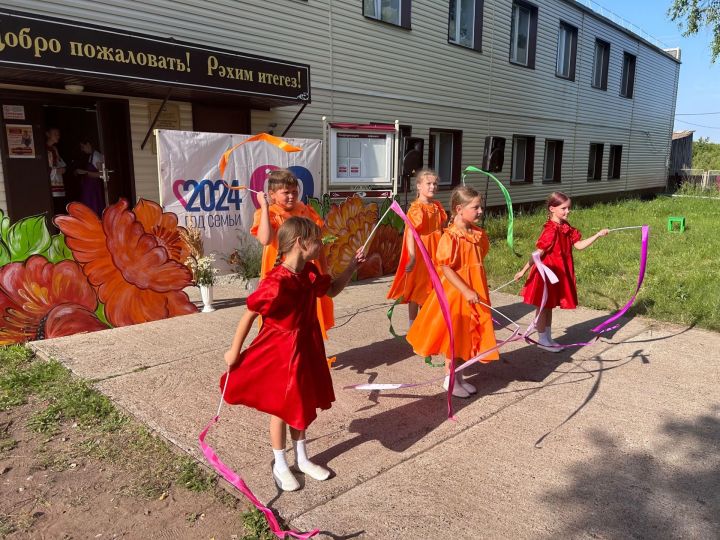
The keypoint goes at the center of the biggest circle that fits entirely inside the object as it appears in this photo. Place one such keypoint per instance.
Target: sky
(699, 85)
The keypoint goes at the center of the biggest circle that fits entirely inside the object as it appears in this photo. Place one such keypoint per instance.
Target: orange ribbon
(266, 137)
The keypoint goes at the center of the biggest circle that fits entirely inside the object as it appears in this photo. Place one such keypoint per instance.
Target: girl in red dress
(412, 281)
(284, 371)
(556, 241)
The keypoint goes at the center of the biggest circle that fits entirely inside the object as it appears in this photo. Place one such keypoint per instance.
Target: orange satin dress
(428, 220)
(278, 215)
(472, 324)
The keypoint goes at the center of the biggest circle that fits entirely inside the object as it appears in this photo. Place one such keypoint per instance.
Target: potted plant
(204, 274)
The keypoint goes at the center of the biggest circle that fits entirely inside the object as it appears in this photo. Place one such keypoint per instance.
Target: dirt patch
(70, 484)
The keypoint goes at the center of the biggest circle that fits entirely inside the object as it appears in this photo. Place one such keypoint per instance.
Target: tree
(696, 14)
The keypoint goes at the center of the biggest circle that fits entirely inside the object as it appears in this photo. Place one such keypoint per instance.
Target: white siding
(363, 70)
(144, 161)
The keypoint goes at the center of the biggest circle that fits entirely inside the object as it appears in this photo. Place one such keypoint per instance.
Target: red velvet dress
(284, 371)
(556, 240)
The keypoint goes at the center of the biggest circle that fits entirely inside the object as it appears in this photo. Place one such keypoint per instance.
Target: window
(553, 161)
(445, 154)
(465, 23)
(628, 76)
(523, 34)
(395, 12)
(595, 162)
(522, 159)
(614, 162)
(566, 51)
(600, 64)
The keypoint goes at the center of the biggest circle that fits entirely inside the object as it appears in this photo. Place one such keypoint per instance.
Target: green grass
(681, 281)
(104, 434)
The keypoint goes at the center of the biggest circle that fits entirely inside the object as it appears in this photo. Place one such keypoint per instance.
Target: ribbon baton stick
(503, 285)
(375, 228)
(625, 228)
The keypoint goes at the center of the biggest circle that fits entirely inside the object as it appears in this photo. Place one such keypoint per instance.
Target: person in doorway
(56, 169)
(92, 191)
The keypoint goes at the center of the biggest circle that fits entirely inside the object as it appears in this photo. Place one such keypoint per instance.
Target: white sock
(280, 461)
(300, 451)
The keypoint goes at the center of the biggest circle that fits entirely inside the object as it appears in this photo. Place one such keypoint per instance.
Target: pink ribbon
(442, 299)
(236, 480)
(546, 274)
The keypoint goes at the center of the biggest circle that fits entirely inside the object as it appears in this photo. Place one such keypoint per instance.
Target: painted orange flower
(39, 299)
(164, 226)
(351, 223)
(131, 268)
(387, 243)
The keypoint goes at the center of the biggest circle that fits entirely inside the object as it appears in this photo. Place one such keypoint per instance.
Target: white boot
(458, 390)
(313, 470)
(469, 388)
(545, 343)
(548, 333)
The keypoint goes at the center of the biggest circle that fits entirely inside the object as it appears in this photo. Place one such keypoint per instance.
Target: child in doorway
(284, 190)
(556, 241)
(284, 372)
(459, 255)
(412, 281)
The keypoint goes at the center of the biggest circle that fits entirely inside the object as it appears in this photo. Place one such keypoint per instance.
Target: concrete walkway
(619, 439)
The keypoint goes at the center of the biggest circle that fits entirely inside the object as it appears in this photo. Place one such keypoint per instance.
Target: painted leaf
(58, 250)
(4, 254)
(4, 226)
(27, 237)
(100, 314)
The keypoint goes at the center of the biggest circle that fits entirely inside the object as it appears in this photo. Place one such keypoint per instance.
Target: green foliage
(30, 236)
(246, 260)
(696, 14)
(256, 526)
(706, 155)
(680, 284)
(58, 250)
(27, 237)
(194, 478)
(391, 218)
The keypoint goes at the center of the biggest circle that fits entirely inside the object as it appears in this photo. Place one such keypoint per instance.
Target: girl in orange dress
(284, 190)
(412, 282)
(284, 372)
(459, 256)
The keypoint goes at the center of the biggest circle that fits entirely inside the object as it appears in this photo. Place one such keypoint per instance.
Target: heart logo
(177, 184)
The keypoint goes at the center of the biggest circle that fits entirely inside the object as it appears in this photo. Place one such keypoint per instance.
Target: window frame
(598, 161)
(405, 7)
(557, 161)
(456, 165)
(529, 164)
(628, 81)
(532, 33)
(573, 32)
(605, 67)
(478, 8)
(615, 162)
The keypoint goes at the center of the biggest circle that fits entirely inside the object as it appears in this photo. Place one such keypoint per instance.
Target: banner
(191, 186)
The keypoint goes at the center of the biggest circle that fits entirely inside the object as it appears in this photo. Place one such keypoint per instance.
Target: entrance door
(116, 143)
(27, 179)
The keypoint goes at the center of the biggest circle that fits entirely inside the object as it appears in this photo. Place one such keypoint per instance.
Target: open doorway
(75, 157)
(85, 132)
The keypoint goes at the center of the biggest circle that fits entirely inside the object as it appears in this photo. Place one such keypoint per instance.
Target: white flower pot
(206, 293)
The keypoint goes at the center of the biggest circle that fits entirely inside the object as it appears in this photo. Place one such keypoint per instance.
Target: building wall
(145, 161)
(363, 70)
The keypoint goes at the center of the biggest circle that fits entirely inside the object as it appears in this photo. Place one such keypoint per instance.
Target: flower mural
(40, 299)
(130, 260)
(350, 223)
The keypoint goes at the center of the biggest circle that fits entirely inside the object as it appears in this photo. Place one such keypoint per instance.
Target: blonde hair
(425, 172)
(281, 178)
(292, 229)
(461, 196)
